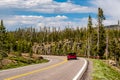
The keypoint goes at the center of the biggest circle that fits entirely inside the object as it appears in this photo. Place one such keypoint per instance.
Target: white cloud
(110, 22)
(40, 6)
(23, 3)
(61, 17)
(110, 8)
(13, 22)
(45, 6)
(35, 21)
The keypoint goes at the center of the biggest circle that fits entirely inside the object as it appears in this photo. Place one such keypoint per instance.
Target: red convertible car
(71, 56)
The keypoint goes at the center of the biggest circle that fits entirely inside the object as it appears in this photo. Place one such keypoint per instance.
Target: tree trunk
(107, 39)
(88, 48)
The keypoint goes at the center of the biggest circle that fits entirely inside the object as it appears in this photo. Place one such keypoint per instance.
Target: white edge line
(81, 72)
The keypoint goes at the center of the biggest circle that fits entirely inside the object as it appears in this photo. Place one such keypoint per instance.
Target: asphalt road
(58, 68)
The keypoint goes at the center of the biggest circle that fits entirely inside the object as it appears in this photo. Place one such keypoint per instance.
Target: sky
(56, 13)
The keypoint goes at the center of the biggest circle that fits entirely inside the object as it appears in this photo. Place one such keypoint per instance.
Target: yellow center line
(35, 71)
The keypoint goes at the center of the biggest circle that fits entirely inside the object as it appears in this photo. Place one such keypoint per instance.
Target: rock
(40, 57)
(6, 61)
(111, 62)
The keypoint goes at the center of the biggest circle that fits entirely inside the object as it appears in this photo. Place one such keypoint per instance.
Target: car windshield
(72, 54)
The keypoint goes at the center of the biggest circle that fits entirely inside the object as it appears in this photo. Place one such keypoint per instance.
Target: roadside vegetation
(103, 71)
(13, 61)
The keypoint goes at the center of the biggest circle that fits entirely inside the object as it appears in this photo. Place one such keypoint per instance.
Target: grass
(20, 61)
(102, 71)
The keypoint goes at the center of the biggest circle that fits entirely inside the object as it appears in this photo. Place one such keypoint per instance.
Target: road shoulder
(88, 74)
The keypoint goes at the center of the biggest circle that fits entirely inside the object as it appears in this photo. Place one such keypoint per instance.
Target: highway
(58, 68)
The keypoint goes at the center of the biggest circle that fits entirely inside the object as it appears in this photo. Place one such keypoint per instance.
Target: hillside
(113, 26)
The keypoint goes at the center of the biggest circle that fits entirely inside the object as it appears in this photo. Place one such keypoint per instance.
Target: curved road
(58, 68)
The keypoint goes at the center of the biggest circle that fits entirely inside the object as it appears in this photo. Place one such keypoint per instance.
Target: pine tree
(2, 41)
(101, 34)
(89, 36)
(3, 36)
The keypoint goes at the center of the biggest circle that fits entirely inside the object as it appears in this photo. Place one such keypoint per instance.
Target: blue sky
(56, 13)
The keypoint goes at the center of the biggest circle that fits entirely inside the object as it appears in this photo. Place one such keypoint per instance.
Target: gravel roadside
(88, 74)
